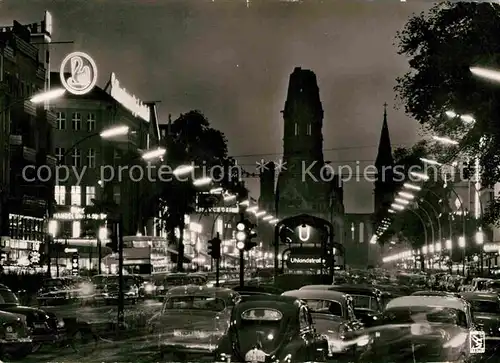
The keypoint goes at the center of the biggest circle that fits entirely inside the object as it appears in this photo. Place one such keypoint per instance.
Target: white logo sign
(9, 329)
(304, 233)
(132, 103)
(82, 73)
(477, 342)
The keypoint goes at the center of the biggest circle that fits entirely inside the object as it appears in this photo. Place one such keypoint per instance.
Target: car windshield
(424, 314)
(8, 297)
(484, 306)
(177, 281)
(365, 302)
(325, 307)
(54, 283)
(207, 303)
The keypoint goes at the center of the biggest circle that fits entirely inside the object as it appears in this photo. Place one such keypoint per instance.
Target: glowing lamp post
(461, 244)
(114, 132)
(201, 182)
(183, 170)
(154, 154)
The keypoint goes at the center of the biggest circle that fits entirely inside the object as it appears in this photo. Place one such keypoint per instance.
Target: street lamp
(48, 96)
(217, 190)
(490, 74)
(154, 154)
(252, 209)
(267, 218)
(412, 187)
(201, 182)
(402, 201)
(183, 170)
(274, 221)
(114, 131)
(448, 244)
(398, 207)
(419, 176)
(260, 214)
(461, 244)
(405, 195)
(445, 140)
(431, 162)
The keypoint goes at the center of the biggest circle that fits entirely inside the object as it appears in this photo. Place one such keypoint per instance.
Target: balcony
(41, 73)
(29, 108)
(51, 161)
(29, 154)
(51, 118)
(16, 140)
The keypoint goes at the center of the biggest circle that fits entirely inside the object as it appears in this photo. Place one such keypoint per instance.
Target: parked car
(427, 328)
(435, 293)
(191, 322)
(486, 311)
(43, 327)
(55, 291)
(15, 342)
(266, 328)
(333, 315)
(368, 300)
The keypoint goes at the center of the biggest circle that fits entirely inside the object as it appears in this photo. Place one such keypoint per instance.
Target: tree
(193, 141)
(441, 45)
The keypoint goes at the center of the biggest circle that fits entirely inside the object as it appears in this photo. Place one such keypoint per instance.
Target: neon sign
(83, 73)
(127, 100)
(304, 233)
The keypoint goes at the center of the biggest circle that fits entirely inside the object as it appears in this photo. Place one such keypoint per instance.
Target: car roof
(288, 304)
(354, 289)
(200, 291)
(316, 287)
(431, 301)
(480, 295)
(434, 293)
(317, 295)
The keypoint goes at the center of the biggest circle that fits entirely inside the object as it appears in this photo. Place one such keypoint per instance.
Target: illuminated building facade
(89, 158)
(25, 138)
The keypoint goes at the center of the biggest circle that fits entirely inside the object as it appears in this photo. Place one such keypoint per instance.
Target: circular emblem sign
(9, 329)
(78, 73)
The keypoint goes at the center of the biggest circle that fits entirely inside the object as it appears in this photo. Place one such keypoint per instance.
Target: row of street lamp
(406, 196)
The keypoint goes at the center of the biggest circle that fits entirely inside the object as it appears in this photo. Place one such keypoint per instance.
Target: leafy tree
(193, 141)
(441, 45)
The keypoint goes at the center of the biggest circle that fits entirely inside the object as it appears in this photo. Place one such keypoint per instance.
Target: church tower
(304, 183)
(303, 120)
(384, 183)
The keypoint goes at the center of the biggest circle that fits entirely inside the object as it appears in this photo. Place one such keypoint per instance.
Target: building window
(361, 232)
(77, 121)
(76, 195)
(61, 121)
(60, 194)
(77, 229)
(91, 158)
(77, 158)
(296, 129)
(91, 122)
(60, 154)
(309, 129)
(116, 194)
(353, 232)
(89, 195)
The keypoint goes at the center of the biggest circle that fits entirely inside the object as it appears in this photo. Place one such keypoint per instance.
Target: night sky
(232, 62)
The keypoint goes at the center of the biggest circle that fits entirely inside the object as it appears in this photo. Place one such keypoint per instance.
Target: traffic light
(214, 248)
(75, 264)
(244, 234)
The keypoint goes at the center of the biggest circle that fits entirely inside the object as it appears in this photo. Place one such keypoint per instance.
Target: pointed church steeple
(384, 156)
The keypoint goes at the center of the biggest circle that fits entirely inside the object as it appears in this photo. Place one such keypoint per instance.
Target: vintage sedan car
(55, 291)
(333, 315)
(423, 329)
(15, 342)
(192, 321)
(435, 293)
(267, 329)
(43, 327)
(368, 302)
(257, 290)
(486, 310)
(111, 289)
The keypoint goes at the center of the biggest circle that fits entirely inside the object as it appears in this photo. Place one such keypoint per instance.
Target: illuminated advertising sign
(82, 73)
(130, 102)
(305, 258)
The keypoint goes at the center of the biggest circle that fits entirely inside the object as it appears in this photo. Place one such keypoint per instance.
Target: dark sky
(232, 62)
